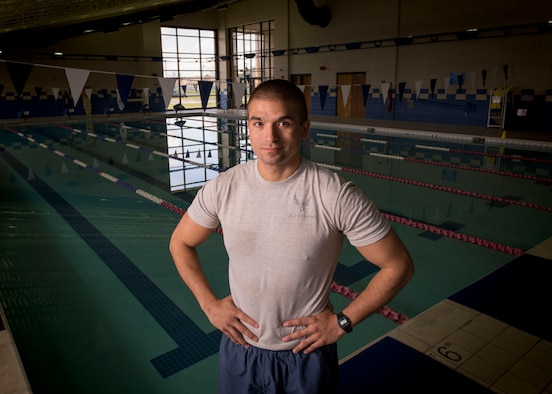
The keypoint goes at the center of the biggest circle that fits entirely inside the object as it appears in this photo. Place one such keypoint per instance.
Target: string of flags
(77, 78)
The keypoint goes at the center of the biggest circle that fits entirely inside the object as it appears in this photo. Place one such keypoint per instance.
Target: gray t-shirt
(284, 239)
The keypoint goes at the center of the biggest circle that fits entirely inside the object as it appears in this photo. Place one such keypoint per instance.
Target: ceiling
(37, 23)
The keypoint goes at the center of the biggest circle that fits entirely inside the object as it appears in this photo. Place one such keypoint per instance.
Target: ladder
(498, 101)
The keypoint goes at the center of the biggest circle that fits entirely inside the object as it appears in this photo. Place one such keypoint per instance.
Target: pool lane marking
(440, 148)
(193, 343)
(431, 162)
(437, 187)
(434, 229)
(213, 167)
(344, 169)
(161, 134)
(177, 359)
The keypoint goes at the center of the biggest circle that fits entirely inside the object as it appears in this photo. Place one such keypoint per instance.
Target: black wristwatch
(344, 322)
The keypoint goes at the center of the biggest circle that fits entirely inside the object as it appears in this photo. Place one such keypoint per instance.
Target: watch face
(344, 322)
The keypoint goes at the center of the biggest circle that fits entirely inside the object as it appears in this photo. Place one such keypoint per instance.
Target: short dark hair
(281, 89)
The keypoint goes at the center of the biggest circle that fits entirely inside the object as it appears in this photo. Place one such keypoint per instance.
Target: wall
(526, 56)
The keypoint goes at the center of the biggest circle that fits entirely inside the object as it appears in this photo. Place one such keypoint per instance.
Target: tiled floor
(12, 376)
(494, 333)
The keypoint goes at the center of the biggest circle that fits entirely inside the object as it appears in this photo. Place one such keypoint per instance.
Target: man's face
(276, 132)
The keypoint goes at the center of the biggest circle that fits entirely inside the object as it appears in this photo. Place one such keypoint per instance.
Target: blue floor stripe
(391, 367)
(517, 293)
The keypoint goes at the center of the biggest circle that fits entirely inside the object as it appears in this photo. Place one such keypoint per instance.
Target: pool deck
(474, 341)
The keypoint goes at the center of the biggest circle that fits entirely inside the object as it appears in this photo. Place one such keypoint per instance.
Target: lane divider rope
(384, 311)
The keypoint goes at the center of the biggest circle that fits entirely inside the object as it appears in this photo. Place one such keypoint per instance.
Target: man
(284, 221)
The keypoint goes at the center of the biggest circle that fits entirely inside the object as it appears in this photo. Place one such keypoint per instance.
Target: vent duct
(319, 16)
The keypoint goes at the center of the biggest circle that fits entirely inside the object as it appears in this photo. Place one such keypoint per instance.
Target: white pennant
(345, 90)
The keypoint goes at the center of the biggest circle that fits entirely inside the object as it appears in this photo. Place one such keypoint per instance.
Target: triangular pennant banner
(19, 73)
(460, 81)
(120, 103)
(384, 91)
(484, 76)
(432, 84)
(167, 86)
(365, 91)
(55, 92)
(302, 87)
(323, 91)
(124, 82)
(345, 91)
(145, 99)
(418, 89)
(38, 90)
(238, 90)
(205, 91)
(402, 85)
(77, 79)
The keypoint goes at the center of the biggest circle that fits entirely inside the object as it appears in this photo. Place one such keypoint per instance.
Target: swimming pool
(89, 288)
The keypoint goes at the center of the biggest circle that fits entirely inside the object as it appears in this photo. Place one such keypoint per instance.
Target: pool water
(90, 291)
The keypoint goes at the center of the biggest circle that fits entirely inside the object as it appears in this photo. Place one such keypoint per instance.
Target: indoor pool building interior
(442, 117)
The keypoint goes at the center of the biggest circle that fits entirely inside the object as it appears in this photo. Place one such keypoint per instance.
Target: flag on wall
(167, 86)
(19, 73)
(77, 79)
(345, 90)
(323, 92)
(124, 82)
(204, 92)
(365, 91)
(432, 83)
(384, 91)
(402, 86)
(418, 89)
(238, 91)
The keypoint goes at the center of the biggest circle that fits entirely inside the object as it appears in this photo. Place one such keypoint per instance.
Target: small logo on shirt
(300, 207)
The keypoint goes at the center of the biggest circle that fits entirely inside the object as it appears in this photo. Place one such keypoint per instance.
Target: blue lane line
(193, 344)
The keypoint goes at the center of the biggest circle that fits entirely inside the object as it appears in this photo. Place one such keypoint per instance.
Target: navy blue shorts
(257, 370)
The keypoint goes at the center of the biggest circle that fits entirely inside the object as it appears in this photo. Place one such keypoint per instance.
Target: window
(251, 48)
(189, 55)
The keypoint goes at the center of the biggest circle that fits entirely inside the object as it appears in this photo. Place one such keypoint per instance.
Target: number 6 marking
(451, 355)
